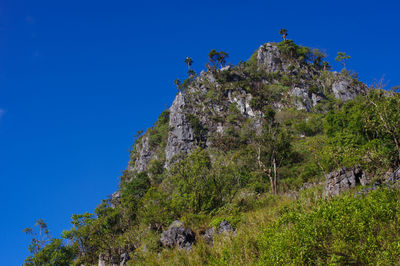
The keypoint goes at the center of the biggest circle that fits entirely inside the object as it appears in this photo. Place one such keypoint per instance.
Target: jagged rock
(180, 137)
(224, 227)
(194, 100)
(178, 236)
(242, 100)
(145, 154)
(391, 179)
(344, 88)
(123, 260)
(316, 98)
(115, 199)
(208, 235)
(301, 99)
(343, 179)
(270, 59)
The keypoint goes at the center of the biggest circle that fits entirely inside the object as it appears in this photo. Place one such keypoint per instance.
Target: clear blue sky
(79, 78)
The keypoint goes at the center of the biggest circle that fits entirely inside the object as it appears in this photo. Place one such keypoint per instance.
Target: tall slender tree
(283, 32)
(342, 58)
(188, 61)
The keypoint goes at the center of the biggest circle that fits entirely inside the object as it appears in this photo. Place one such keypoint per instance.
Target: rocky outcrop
(178, 236)
(270, 59)
(115, 261)
(345, 88)
(144, 155)
(208, 100)
(181, 136)
(391, 179)
(224, 227)
(242, 100)
(115, 199)
(343, 179)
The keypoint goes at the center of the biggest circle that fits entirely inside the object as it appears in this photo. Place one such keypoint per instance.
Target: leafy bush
(159, 132)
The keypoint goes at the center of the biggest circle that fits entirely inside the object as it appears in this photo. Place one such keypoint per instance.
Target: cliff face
(202, 108)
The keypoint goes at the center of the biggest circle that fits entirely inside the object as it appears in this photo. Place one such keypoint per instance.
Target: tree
(342, 58)
(217, 59)
(54, 253)
(46, 250)
(177, 83)
(191, 73)
(272, 147)
(189, 62)
(283, 32)
(39, 238)
(383, 116)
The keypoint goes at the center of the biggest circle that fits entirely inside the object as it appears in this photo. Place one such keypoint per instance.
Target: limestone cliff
(270, 78)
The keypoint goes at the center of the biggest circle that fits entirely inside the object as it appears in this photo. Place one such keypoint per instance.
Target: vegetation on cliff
(256, 136)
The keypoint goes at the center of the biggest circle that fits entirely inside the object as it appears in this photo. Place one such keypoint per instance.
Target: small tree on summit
(189, 62)
(217, 59)
(342, 58)
(283, 33)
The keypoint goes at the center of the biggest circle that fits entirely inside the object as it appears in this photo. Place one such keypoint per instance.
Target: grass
(309, 230)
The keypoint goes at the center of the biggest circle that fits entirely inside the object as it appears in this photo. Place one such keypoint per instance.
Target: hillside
(275, 160)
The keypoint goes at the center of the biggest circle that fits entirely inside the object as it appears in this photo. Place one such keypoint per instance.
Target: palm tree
(188, 61)
(284, 33)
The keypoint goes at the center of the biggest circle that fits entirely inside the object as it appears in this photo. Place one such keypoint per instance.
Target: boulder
(224, 227)
(178, 236)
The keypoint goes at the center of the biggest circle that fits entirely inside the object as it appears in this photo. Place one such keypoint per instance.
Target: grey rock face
(301, 99)
(178, 236)
(343, 179)
(125, 258)
(242, 99)
(224, 227)
(180, 137)
(121, 260)
(270, 59)
(115, 199)
(344, 89)
(392, 179)
(145, 154)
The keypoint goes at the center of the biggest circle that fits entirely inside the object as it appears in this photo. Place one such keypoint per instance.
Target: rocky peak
(200, 111)
(270, 59)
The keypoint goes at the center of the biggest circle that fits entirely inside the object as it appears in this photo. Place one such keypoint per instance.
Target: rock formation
(344, 179)
(309, 89)
(178, 236)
